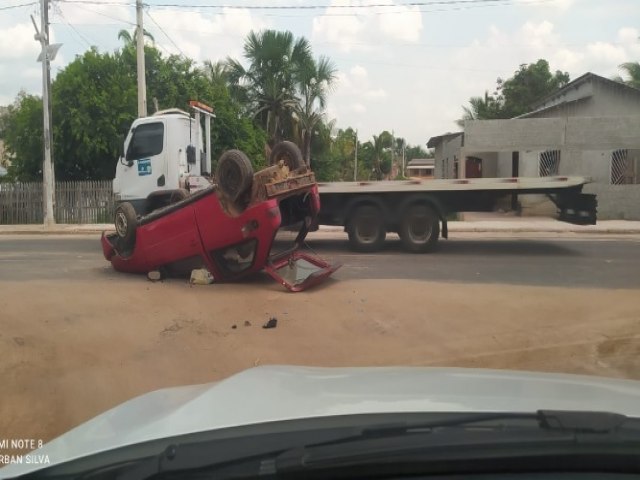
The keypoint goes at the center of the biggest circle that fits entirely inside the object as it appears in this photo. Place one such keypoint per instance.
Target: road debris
(200, 276)
(272, 323)
(155, 275)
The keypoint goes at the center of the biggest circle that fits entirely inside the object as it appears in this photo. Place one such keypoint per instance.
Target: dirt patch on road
(73, 351)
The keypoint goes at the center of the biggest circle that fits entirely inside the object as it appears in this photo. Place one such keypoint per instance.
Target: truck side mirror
(191, 154)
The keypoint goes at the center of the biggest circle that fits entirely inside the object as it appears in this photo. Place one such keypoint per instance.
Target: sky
(404, 66)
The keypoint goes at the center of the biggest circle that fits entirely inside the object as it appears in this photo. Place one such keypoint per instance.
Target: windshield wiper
(474, 438)
(372, 444)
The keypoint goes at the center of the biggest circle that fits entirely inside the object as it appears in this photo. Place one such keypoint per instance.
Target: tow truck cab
(163, 159)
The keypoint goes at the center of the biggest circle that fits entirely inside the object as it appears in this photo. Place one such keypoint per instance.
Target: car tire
(419, 229)
(126, 223)
(366, 229)
(289, 152)
(178, 195)
(234, 174)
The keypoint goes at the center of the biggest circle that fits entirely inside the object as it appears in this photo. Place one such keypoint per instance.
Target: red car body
(199, 232)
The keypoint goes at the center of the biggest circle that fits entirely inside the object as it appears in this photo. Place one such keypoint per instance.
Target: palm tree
(380, 144)
(480, 108)
(216, 72)
(315, 80)
(632, 70)
(130, 40)
(269, 83)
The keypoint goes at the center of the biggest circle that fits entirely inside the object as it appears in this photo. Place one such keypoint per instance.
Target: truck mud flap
(579, 209)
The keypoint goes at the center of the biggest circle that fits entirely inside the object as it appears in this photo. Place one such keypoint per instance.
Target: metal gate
(549, 163)
(621, 168)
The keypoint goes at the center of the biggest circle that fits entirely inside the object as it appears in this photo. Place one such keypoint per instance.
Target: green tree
(516, 95)
(315, 80)
(381, 155)
(481, 108)
(94, 100)
(416, 151)
(269, 83)
(21, 131)
(529, 84)
(632, 74)
(129, 39)
(94, 103)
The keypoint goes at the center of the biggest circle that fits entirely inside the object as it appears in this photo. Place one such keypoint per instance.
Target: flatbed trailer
(418, 209)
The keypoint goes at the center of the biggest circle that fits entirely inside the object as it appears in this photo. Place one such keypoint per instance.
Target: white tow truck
(164, 160)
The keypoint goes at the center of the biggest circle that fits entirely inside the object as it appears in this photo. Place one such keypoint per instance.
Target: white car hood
(274, 393)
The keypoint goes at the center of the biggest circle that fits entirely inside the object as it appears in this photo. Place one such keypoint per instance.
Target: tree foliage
(21, 131)
(268, 84)
(283, 86)
(516, 95)
(632, 74)
(281, 94)
(94, 101)
(314, 81)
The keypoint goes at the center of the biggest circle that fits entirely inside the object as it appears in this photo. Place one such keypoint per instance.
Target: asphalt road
(586, 261)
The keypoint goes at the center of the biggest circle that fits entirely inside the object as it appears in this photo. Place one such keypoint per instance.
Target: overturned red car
(228, 230)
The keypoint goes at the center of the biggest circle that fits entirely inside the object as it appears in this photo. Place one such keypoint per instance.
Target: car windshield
(220, 217)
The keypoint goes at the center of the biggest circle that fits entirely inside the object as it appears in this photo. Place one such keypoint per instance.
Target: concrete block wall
(616, 202)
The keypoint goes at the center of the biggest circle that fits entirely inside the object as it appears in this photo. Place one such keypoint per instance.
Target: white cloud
(99, 12)
(355, 93)
(549, 5)
(473, 69)
(403, 23)
(205, 37)
(354, 29)
(344, 30)
(17, 42)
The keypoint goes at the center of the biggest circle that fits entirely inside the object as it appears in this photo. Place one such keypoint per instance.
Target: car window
(147, 141)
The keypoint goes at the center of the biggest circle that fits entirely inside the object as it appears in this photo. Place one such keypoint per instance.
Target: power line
(429, 3)
(64, 19)
(121, 20)
(9, 7)
(165, 33)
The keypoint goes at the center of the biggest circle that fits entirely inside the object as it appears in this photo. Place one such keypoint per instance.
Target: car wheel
(178, 195)
(366, 229)
(420, 229)
(234, 174)
(289, 152)
(126, 222)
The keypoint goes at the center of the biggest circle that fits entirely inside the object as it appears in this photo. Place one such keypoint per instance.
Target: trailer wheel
(366, 229)
(419, 229)
(234, 174)
(289, 152)
(126, 222)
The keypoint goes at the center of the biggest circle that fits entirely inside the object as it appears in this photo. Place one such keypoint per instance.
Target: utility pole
(355, 164)
(47, 54)
(403, 164)
(142, 84)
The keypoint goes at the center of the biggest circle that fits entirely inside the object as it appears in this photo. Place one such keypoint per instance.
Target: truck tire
(420, 229)
(126, 222)
(289, 152)
(366, 229)
(234, 174)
